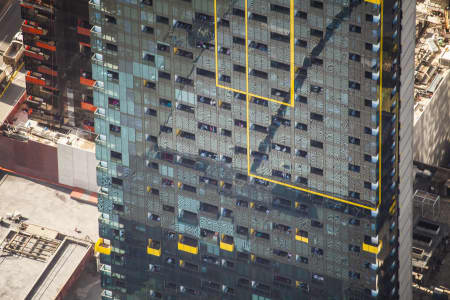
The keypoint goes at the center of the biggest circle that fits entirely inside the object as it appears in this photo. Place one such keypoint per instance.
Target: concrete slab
(48, 206)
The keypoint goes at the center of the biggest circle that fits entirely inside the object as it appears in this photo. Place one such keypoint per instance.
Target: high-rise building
(252, 149)
(57, 59)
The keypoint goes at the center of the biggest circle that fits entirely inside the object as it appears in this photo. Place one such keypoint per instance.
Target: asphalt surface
(10, 23)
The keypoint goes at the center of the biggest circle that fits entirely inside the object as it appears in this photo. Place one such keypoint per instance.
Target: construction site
(42, 254)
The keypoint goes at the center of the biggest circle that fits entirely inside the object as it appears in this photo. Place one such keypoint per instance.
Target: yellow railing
(378, 2)
(371, 248)
(226, 246)
(153, 251)
(186, 248)
(301, 238)
(102, 248)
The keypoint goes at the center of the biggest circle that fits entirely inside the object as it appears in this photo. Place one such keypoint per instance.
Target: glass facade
(59, 89)
(248, 149)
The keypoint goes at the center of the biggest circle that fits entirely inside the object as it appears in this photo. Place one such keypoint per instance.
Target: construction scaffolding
(427, 203)
(31, 246)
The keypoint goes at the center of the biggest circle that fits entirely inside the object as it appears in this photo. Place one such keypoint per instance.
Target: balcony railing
(35, 53)
(375, 249)
(47, 70)
(100, 113)
(87, 81)
(187, 244)
(35, 78)
(49, 46)
(227, 243)
(102, 247)
(154, 248)
(301, 236)
(101, 168)
(88, 126)
(96, 30)
(88, 106)
(32, 28)
(83, 28)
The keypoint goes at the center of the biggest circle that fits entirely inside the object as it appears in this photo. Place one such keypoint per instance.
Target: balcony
(88, 106)
(97, 31)
(187, 244)
(209, 235)
(372, 248)
(188, 217)
(301, 236)
(35, 78)
(32, 28)
(103, 247)
(100, 113)
(227, 243)
(106, 295)
(95, 4)
(97, 58)
(83, 28)
(48, 46)
(100, 140)
(105, 270)
(42, 5)
(35, 53)
(102, 166)
(47, 70)
(86, 79)
(99, 86)
(88, 125)
(154, 248)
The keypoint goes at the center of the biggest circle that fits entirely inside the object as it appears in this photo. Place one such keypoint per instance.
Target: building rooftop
(432, 53)
(51, 207)
(41, 275)
(38, 261)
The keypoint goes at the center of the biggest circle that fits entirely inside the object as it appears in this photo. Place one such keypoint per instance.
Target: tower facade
(56, 37)
(250, 149)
